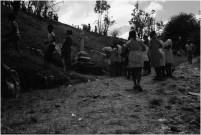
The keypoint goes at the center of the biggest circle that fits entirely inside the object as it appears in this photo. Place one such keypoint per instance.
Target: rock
(174, 129)
(188, 109)
(42, 131)
(194, 94)
(57, 106)
(96, 96)
(168, 107)
(34, 120)
(162, 120)
(181, 77)
(31, 111)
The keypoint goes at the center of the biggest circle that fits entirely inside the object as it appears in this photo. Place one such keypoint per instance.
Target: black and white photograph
(100, 66)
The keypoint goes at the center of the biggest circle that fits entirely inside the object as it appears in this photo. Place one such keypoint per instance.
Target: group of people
(65, 49)
(14, 37)
(136, 57)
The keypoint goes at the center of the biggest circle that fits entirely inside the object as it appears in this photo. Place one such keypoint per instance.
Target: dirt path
(109, 105)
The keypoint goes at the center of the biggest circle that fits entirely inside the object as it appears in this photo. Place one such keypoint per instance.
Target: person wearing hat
(189, 48)
(66, 51)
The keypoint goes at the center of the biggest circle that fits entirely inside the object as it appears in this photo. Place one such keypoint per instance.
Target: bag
(108, 54)
(10, 82)
(125, 52)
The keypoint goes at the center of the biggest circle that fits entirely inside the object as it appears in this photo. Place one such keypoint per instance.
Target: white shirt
(50, 37)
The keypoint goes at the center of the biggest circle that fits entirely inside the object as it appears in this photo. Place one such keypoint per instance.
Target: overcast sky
(82, 12)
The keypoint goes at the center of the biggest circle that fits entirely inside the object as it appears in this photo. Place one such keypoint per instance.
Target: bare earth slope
(109, 105)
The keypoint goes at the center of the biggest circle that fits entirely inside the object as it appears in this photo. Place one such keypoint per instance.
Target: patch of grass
(155, 102)
(174, 100)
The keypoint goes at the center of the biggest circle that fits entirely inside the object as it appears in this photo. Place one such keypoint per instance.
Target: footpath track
(110, 106)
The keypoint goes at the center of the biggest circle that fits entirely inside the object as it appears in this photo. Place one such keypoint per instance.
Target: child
(162, 67)
(189, 48)
(147, 67)
(168, 57)
(107, 51)
(114, 60)
(51, 45)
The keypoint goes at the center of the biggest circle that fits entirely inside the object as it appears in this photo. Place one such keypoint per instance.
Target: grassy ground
(109, 106)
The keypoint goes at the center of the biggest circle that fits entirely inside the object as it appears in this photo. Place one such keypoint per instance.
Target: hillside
(33, 34)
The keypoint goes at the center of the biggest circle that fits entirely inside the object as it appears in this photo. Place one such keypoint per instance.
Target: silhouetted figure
(50, 15)
(51, 45)
(66, 51)
(190, 50)
(24, 9)
(95, 29)
(56, 17)
(30, 11)
(7, 3)
(14, 35)
(45, 13)
(16, 7)
(89, 27)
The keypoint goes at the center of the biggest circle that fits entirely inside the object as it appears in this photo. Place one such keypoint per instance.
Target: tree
(107, 23)
(115, 33)
(100, 7)
(182, 25)
(141, 19)
(41, 5)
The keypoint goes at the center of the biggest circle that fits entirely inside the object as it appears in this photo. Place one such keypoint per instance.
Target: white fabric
(107, 49)
(50, 37)
(168, 52)
(163, 57)
(16, 27)
(114, 55)
(189, 47)
(145, 54)
(119, 53)
(168, 42)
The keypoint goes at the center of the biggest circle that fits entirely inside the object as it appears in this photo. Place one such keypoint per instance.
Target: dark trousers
(136, 75)
(168, 69)
(158, 71)
(128, 72)
(114, 68)
(49, 53)
(67, 63)
(162, 69)
(147, 66)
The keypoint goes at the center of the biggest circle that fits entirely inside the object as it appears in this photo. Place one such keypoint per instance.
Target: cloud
(154, 6)
(77, 12)
(124, 35)
(121, 12)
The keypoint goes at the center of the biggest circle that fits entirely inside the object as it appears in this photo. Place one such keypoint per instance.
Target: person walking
(135, 59)
(154, 54)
